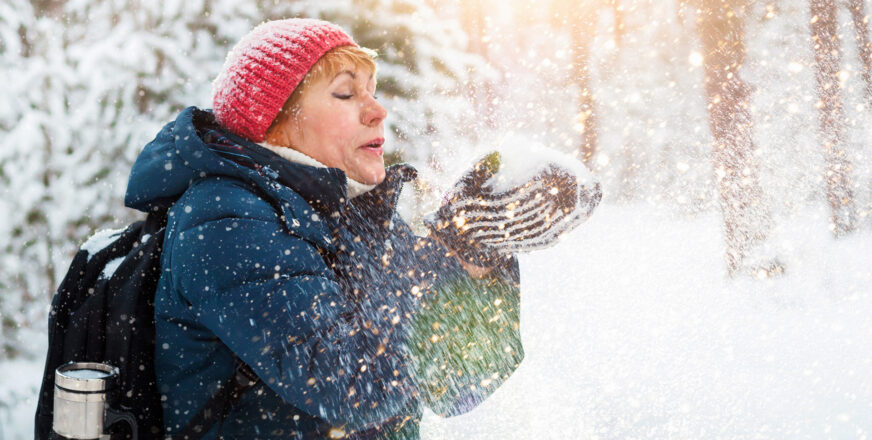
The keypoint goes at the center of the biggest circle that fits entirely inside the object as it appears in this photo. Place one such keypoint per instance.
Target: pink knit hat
(265, 67)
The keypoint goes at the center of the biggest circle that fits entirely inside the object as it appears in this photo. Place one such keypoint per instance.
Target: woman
(283, 250)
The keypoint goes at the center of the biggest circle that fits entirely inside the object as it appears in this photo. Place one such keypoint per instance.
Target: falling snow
(632, 326)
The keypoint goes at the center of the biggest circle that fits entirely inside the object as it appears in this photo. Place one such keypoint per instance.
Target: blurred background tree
(747, 222)
(861, 38)
(828, 60)
(580, 20)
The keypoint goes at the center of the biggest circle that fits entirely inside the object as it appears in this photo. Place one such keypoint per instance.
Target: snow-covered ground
(632, 330)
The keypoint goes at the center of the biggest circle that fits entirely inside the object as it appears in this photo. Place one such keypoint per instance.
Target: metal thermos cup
(83, 399)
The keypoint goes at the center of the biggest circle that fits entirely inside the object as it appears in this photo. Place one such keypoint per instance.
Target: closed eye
(342, 96)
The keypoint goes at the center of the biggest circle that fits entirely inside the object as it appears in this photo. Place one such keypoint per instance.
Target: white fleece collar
(354, 187)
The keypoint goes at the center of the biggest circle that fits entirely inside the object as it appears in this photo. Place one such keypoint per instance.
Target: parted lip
(375, 143)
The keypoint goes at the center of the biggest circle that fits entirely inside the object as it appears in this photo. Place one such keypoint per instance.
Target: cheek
(334, 130)
(328, 138)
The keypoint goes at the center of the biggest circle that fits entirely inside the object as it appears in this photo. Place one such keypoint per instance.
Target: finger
(500, 201)
(548, 238)
(485, 223)
(546, 225)
(530, 243)
(552, 182)
(474, 179)
(536, 235)
(520, 230)
(516, 224)
(489, 217)
(562, 186)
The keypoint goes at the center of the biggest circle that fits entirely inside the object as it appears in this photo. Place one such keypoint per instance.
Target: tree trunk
(827, 54)
(746, 217)
(864, 47)
(618, 10)
(581, 29)
(482, 94)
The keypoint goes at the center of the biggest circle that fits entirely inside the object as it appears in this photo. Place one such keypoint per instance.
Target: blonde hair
(330, 64)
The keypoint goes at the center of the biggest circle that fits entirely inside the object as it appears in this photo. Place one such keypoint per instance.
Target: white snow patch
(100, 240)
(110, 268)
(632, 329)
(521, 158)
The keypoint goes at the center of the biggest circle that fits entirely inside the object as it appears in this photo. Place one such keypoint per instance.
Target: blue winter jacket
(350, 320)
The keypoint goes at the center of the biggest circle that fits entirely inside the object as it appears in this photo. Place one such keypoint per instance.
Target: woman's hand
(484, 223)
(477, 272)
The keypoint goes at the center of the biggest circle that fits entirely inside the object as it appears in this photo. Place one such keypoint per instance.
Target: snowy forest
(723, 289)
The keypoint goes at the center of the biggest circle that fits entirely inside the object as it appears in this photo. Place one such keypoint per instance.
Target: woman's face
(340, 124)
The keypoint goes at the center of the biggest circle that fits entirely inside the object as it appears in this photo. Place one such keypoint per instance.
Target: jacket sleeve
(270, 297)
(466, 341)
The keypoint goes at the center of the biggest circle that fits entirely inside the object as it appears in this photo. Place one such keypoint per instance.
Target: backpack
(103, 311)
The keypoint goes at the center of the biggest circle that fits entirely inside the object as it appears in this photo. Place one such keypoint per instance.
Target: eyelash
(349, 96)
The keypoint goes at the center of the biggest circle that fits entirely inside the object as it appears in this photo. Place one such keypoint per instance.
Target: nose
(372, 112)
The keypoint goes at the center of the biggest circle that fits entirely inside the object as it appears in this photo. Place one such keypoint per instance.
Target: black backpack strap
(219, 405)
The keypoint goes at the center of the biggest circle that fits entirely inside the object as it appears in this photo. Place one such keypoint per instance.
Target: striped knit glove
(490, 214)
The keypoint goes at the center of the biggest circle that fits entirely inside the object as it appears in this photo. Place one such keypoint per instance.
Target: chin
(376, 177)
(371, 176)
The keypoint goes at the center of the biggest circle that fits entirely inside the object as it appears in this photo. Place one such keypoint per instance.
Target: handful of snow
(521, 159)
(520, 198)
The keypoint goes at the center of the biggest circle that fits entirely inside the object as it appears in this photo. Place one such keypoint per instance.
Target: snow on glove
(515, 202)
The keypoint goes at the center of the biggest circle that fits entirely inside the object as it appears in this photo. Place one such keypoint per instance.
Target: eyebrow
(350, 73)
(353, 76)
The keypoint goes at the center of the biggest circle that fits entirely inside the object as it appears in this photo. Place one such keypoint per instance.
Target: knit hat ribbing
(265, 67)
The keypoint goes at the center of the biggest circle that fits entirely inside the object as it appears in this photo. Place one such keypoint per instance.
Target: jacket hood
(194, 146)
(178, 155)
